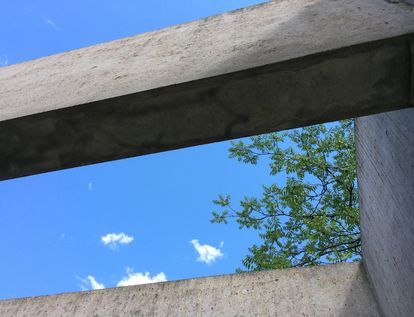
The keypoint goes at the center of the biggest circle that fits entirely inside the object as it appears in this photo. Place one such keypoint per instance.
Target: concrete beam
(270, 67)
(385, 153)
(335, 291)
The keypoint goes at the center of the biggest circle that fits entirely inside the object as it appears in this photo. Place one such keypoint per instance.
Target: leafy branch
(313, 218)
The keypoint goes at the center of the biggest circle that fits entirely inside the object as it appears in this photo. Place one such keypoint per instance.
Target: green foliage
(313, 217)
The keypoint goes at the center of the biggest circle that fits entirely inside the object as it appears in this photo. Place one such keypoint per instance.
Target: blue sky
(124, 222)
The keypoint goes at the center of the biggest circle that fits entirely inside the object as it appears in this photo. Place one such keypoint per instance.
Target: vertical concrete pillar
(385, 157)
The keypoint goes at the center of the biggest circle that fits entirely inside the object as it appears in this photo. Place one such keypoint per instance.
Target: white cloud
(207, 253)
(94, 283)
(140, 278)
(4, 61)
(52, 24)
(90, 283)
(90, 186)
(113, 240)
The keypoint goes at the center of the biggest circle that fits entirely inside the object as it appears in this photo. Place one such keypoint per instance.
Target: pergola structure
(279, 65)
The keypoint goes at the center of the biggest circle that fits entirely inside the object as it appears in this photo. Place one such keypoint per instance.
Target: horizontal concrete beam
(335, 291)
(270, 67)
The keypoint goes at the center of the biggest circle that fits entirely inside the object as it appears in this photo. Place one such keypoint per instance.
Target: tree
(313, 217)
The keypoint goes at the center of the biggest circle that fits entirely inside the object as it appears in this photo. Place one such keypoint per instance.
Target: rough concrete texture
(332, 86)
(270, 67)
(336, 290)
(385, 153)
(260, 35)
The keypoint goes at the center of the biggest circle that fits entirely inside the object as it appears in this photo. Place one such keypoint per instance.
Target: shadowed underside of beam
(335, 290)
(266, 68)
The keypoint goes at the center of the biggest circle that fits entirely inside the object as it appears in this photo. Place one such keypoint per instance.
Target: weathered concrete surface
(337, 290)
(270, 67)
(385, 153)
(260, 35)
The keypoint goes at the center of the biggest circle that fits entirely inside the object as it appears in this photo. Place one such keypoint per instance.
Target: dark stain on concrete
(334, 85)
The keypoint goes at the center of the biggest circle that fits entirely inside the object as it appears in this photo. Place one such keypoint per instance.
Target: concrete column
(385, 154)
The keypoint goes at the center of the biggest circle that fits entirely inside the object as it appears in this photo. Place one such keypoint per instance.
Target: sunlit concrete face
(335, 290)
(266, 68)
(244, 39)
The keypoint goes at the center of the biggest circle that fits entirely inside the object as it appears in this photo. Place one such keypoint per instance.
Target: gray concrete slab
(337, 290)
(385, 153)
(273, 66)
(243, 39)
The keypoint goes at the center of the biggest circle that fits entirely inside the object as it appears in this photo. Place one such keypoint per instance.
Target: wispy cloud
(52, 24)
(90, 283)
(137, 278)
(94, 283)
(4, 61)
(113, 240)
(207, 253)
(132, 278)
(90, 186)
